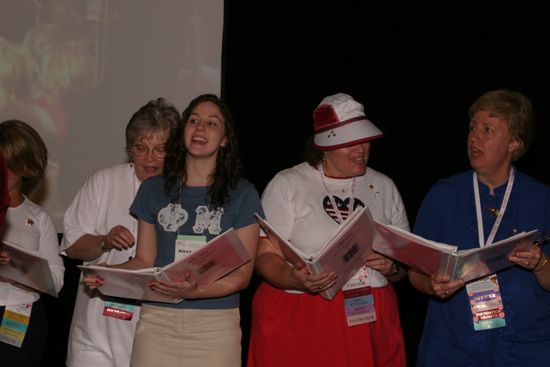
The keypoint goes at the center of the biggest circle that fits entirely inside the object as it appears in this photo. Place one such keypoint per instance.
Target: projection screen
(76, 70)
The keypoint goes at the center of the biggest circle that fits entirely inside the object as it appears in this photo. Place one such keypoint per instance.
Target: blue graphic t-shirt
(190, 214)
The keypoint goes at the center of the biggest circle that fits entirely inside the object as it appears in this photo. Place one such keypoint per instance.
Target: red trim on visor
(348, 144)
(325, 118)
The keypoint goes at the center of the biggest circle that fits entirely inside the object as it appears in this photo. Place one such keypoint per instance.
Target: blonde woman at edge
(31, 227)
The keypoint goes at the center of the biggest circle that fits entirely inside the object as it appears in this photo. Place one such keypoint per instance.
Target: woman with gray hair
(100, 229)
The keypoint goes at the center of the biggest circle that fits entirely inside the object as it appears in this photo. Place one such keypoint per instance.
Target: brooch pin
(376, 193)
(494, 212)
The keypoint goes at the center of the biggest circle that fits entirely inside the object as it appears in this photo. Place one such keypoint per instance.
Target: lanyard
(500, 212)
(331, 198)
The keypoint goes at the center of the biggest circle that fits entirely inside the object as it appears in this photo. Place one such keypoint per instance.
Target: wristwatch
(103, 245)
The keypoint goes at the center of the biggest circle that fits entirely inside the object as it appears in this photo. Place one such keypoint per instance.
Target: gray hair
(157, 115)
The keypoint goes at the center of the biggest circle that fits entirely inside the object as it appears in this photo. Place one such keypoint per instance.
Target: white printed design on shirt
(172, 216)
(207, 219)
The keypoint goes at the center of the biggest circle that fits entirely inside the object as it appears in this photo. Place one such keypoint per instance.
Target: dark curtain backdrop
(416, 68)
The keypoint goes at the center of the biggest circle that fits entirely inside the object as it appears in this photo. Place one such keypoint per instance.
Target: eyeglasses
(142, 150)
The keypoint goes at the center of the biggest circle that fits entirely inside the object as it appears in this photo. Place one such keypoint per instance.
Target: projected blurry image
(74, 70)
(54, 61)
(58, 58)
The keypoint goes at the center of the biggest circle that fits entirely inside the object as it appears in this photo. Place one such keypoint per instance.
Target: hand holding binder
(343, 253)
(434, 258)
(215, 259)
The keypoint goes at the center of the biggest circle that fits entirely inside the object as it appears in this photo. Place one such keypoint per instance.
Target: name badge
(486, 303)
(358, 299)
(186, 245)
(15, 323)
(119, 310)
(359, 305)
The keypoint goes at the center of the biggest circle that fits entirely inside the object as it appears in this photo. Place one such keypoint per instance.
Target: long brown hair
(227, 173)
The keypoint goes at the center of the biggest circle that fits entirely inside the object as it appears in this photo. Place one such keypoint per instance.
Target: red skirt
(306, 330)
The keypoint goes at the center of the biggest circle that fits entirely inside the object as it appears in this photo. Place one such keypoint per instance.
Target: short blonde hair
(515, 109)
(24, 150)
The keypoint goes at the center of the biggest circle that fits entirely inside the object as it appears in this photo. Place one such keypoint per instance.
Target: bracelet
(541, 264)
(103, 245)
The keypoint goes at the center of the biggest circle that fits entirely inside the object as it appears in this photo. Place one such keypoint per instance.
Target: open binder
(212, 261)
(344, 252)
(432, 257)
(28, 268)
